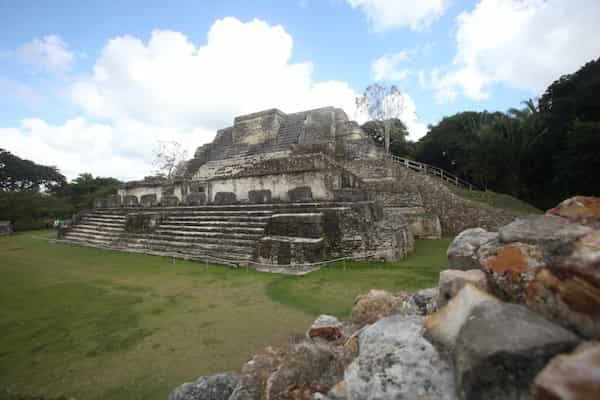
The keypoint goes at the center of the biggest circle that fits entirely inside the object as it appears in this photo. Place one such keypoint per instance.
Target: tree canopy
(541, 152)
(17, 174)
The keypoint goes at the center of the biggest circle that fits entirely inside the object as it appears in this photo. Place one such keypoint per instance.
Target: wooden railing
(433, 171)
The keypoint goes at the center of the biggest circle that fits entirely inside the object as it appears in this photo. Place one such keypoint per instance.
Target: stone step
(218, 248)
(216, 220)
(101, 223)
(216, 235)
(200, 228)
(87, 238)
(104, 215)
(109, 221)
(193, 221)
(92, 229)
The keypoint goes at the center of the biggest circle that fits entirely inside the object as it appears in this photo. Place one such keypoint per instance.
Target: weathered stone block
(301, 194)
(582, 209)
(149, 200)
(130, 201)
(572, 376)
(443, 326)
(502, 347)
(296, 225)
(214, 387)
(142, 222)
(259, 196)
(510, 268)
(462, 252)
(284, 250)
(308, 364)
(225, 198)
(396, 362)
(327, 327)
(114, 201)
(452, 281)
(196, 199)
(569, 292)
(169, 201)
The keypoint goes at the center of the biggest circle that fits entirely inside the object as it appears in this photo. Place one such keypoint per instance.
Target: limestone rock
(339, 391)
(587, 246)
(501, 348)
(553, 234)
(214, 387)
(574, 376)
(255, 373)
(569, 292)
(582, 209)
(462, 252)
(396, 362)
(421, 302)
(510, 268)
(452, 280)
(327, 327)
(307, 365)
(375, 305)
(443, 326)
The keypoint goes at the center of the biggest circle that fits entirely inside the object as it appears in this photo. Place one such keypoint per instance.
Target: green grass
(498, 200)
(99, 324)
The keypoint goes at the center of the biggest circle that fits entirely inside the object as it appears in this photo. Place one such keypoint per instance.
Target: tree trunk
(386, 132)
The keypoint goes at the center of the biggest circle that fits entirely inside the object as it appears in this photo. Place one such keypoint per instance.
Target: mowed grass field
(98, 324)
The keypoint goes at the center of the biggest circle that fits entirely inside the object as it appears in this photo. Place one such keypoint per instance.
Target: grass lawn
(98, 324)
(498, 200)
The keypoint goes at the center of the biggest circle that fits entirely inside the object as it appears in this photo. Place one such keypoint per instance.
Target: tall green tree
(17, 174)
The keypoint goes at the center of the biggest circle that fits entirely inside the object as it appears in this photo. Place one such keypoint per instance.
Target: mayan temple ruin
(278, 191)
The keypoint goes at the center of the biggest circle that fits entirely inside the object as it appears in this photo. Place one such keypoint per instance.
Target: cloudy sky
(90, 86)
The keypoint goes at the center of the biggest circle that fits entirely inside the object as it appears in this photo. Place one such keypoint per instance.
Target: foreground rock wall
(477, 336)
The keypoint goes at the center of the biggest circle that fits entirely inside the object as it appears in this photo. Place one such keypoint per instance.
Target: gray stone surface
(308, 364)
(214, 387)
(462, 252)
(502, 347)
(196, 199)
(225, 198)
(252, 384)
(452, 280)
(554, 234)
(300, 194)
(169, 201)
(327, 327)
(130, 201)
(149, 200)
(259, 196)
(396, 362)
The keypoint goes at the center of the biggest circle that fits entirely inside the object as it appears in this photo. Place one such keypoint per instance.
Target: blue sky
(92, 87)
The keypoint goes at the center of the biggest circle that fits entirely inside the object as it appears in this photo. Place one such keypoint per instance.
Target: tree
(383, 104)
(82, 191)
(17, 174)
(397, 133)
(168, 158)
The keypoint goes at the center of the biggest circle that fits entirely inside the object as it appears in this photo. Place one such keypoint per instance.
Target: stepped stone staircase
(228, 232)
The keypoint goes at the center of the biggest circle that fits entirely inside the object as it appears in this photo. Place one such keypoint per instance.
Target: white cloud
(388, 14)
(49, 53)
(524, 44)
(387, 67)
(169, 88)
(119, 149)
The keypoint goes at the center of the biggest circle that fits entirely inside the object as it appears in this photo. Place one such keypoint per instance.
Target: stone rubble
(514, 319)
